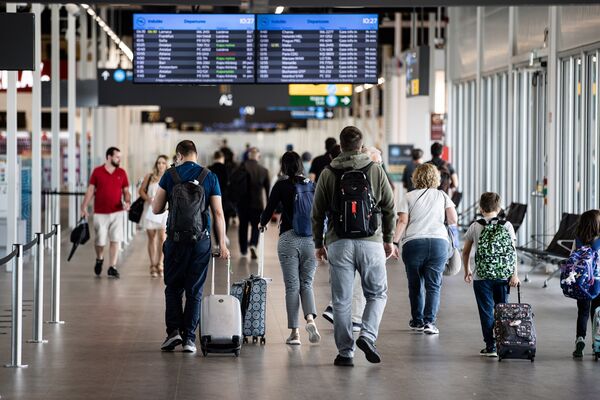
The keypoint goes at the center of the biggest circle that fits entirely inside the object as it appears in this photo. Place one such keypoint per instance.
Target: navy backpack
(303, 201)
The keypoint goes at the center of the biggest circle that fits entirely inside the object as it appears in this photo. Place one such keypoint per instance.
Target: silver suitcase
(220, 320)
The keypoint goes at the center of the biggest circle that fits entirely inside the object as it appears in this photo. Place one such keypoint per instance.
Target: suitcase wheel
(237, 353)
(596, 356)
(204, 352)
(499, 358)
(245, 339)
(532, 359)
(254, 339)
(263, 340)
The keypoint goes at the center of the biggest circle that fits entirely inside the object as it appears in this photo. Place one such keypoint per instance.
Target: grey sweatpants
(298, 264)
(368, 259)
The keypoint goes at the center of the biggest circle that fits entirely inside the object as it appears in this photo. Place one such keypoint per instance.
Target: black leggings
(585, 310)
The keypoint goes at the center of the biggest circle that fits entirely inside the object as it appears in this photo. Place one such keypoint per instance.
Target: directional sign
(324, 95)
(321, 101)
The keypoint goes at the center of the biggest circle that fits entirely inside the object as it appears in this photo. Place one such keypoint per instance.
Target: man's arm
(86, 200)
(386, 204)
(127, 196)
(160, 201)
(219, 220)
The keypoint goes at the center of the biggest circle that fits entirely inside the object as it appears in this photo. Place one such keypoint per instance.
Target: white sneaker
(293, 340)
(313, 332)
(431, 329)
(189, 347)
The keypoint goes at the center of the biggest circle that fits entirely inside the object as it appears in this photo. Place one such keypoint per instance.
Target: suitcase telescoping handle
(518, 291)
(261, 255)
(212, 284)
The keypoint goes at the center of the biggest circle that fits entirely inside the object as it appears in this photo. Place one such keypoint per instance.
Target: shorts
(108, 227)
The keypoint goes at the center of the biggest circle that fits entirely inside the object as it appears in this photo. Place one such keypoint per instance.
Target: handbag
(137, 208)
(454, 263)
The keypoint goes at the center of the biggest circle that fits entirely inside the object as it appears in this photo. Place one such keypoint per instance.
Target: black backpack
(353, 212)
(239, 182)
(188, 214)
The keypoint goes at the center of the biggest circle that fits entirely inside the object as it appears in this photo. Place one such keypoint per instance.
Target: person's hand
(468, 276)
(224, 253)
(389, 250)
(126, 206)
(514, 281)
(84, 212)
(321, 254)
(396, 252)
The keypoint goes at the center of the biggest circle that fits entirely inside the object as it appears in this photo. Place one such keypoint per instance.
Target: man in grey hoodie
(365, 255)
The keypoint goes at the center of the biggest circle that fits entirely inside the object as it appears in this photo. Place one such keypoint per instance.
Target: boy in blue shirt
(495, 264)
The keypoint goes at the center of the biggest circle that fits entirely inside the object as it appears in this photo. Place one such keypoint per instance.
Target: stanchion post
(17, 310)
(55, 309)
(38, 291)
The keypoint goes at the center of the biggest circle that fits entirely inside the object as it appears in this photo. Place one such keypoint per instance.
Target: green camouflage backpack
(495, 256)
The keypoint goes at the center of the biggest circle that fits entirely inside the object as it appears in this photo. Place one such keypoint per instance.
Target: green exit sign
(321, 101)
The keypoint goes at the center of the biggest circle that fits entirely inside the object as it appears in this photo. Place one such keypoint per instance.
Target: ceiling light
(279, 9)
(368, 86)
(358, 89)
(381, 81)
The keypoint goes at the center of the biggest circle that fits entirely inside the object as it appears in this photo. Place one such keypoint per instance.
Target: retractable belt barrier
(16, 256)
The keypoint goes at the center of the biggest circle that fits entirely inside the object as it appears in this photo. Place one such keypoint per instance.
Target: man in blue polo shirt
(187, 255)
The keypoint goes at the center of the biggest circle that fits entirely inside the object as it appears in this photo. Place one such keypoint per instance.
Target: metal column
(17, 311)
(36, 128)
(38, 292)
(12, 168)
(55, 84)
(71, 110)
(84, 68)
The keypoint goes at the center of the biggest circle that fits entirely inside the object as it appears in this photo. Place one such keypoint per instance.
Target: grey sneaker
(368, 347)
(172, 341)
(431, 329)
(189, 346)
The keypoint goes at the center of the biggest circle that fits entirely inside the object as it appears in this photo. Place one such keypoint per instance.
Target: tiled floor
(109, 346)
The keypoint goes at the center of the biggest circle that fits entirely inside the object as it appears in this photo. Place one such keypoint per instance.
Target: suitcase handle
(518, 291)
(261, 254)
(212, 284)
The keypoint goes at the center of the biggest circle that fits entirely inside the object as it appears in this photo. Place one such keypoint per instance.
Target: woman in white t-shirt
(421, 226)
(155, 225)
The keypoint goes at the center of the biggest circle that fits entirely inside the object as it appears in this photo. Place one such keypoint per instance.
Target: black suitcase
(514, 330)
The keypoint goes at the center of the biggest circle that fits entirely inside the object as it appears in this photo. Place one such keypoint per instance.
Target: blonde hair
(426, 176)
(155, 176)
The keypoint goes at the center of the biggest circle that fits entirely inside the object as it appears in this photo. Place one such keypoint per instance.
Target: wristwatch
(397, 244)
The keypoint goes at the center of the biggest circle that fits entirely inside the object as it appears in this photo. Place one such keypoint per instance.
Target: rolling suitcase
(596, 334)
(252, 295)
(514, 330)
(220, 320)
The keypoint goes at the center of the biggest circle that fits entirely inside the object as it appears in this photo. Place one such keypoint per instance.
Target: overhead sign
(417, 71)
(324, 95)
(399, 155)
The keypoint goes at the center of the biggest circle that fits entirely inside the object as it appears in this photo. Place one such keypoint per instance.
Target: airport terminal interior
(501, 95)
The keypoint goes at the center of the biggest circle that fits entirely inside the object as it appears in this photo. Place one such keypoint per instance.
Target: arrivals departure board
(317, 48)
(194, 48)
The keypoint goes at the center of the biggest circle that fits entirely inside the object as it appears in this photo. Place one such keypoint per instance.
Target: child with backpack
(580, 279)
(295, 247)
(495, 264)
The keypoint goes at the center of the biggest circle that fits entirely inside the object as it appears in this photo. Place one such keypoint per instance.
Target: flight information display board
(194, 48)
(317, 48)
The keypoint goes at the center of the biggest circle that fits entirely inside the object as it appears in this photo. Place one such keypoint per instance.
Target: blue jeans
(186, 266)
(424, 260)
(488, 293)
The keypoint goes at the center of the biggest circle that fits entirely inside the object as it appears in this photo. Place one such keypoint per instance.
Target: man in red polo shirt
(110, 186)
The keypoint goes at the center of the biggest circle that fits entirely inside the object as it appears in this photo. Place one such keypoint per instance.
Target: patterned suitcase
(252, 294)
(514, 330)
(596, 334)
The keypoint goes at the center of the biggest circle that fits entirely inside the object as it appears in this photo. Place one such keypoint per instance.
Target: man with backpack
(189, 190)
(354, 194)
(449, 178)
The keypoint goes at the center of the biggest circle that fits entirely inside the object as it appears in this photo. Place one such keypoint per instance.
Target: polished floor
(109, 346)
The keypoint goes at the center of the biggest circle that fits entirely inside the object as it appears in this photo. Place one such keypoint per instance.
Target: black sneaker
(98, 267)
(368, 347)
(342, 361)
(579, 346)
(172, 341)
(416, 326)
(488, 352)
(328, 314)
(113, 273)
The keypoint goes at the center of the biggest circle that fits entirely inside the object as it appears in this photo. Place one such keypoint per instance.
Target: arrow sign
(345, 100)
(105, 75)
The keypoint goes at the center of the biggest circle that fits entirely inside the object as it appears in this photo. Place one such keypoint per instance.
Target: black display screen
(194, 48)
(317, 48)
